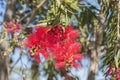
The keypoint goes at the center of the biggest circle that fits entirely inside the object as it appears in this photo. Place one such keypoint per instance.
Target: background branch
(32, 13)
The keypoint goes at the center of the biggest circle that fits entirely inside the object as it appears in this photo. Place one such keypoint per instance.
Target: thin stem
(32, 13)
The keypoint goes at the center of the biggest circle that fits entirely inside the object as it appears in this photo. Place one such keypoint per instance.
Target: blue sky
(2, 10)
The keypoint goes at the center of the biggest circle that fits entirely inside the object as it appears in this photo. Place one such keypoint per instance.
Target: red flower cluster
(118, 74)
(115, 72)
(110, 70)
(57, 43)
(13, 27)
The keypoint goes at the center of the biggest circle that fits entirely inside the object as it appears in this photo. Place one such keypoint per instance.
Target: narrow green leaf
(75, 7)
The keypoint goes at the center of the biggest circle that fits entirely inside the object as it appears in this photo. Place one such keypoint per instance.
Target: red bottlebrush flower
(13, 27)
(36, 41)
(74, 47)
(57, 42)
(32, 41)
(55, 34)
(67, 54)
(36, 38)
(71, 33)
(60, 65)
(77, 56)
(43, 52)
(109, 72)
(118, 74)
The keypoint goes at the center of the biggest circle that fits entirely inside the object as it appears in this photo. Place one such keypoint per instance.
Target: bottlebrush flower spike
(67, 55)
(36, 38)
(59, 43)
(109, 72)
(71, 33)
(118, 74)
(55, 34)
(13, 27)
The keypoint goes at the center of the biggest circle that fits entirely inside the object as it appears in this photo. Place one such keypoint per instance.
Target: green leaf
(116, 62)
(68, 2)
(75, 7)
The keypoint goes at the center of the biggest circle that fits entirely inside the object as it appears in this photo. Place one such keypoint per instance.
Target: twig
(14, 64)
(72, 74)
(34, 10)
